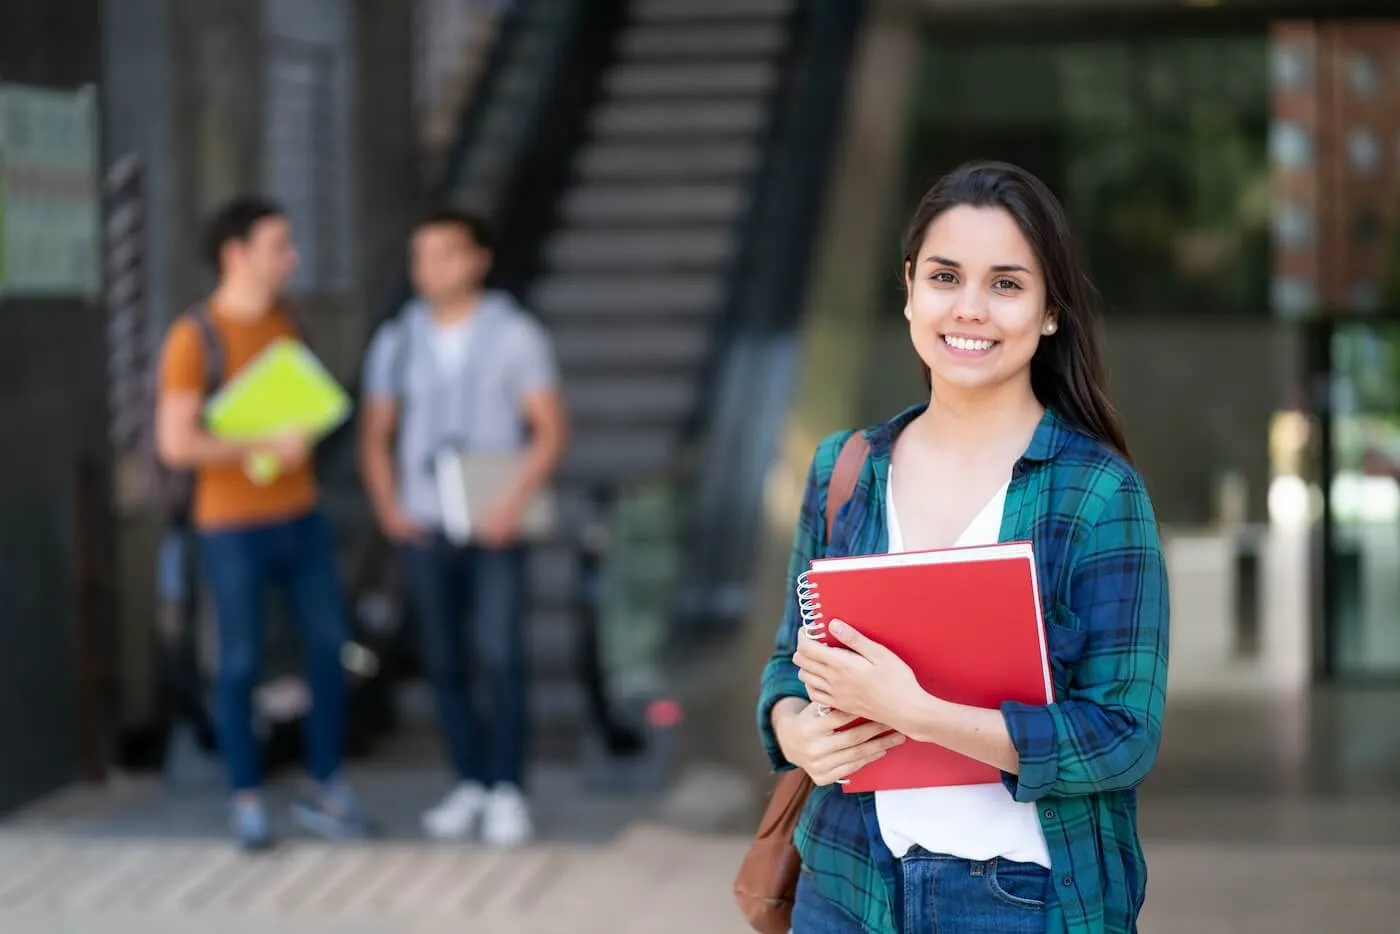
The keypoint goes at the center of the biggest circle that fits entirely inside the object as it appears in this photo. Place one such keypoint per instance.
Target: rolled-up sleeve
(809, 541)
(1104, 734)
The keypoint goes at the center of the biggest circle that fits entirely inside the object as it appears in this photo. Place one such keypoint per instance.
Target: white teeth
(966, 343)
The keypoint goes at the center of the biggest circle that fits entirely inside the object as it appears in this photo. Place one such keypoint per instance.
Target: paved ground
(650, 879)
(1261, 820)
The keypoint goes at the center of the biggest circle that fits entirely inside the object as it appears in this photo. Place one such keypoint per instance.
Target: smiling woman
(986, 251)
(1017, 441)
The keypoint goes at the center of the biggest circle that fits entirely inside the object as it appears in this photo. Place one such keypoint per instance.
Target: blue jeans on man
(470, 604)
(297, 557)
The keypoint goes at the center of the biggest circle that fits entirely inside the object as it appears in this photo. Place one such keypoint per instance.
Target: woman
(1018, 441)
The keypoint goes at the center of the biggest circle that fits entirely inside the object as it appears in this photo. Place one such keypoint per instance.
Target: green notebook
(284, 388)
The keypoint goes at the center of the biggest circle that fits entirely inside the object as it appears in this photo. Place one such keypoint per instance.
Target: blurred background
(702, 200)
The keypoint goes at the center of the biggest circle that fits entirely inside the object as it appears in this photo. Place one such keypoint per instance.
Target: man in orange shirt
(256, 534)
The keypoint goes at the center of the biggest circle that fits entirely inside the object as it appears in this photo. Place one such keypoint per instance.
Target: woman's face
(976, 300)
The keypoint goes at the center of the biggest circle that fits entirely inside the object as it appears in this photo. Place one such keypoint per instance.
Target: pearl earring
(1050, 327)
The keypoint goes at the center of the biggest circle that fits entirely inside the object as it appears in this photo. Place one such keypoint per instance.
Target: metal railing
(750, 375)
(130, 336)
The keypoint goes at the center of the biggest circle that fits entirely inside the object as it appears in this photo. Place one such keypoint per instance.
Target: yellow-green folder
(284, 388)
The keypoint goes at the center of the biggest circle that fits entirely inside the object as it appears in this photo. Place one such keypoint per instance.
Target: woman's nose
(971, 306)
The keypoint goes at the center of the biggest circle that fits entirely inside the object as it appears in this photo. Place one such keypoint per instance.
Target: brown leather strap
(845, 476)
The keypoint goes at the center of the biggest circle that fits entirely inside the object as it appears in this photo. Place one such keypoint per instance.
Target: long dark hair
(1067, 372)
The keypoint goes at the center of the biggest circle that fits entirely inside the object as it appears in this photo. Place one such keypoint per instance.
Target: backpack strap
(297, 320)
(211, 347)
(845, 476)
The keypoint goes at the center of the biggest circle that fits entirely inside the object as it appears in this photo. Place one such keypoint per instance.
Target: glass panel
(1365, 561)
(1158, 147)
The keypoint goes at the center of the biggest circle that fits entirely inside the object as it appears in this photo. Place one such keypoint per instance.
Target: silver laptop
(469, 483)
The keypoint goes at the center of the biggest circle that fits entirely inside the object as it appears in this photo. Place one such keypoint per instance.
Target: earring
(1050, 327)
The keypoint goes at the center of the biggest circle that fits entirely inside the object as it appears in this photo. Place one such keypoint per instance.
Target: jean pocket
(1023, 885)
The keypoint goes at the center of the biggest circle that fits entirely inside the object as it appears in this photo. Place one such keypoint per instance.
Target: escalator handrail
(765, 290)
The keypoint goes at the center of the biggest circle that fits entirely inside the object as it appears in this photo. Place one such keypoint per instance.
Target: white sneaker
(507, 818)
(455, 816)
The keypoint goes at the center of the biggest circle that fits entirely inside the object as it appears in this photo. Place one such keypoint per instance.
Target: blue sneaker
(331, 812)
(250, 826)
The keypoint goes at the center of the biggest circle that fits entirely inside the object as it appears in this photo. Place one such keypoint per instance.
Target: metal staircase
(634, 279)
(631, 154)
(633, 273)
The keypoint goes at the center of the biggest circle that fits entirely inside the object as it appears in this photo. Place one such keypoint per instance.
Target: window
(1158, 147)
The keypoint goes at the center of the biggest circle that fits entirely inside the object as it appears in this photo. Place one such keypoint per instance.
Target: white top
(975, 822)
(449, 342)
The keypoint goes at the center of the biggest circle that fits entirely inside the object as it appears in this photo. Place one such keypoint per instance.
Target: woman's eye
(1007, 285)
(944, 276)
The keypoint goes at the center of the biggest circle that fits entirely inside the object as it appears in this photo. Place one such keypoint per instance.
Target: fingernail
(837, 626)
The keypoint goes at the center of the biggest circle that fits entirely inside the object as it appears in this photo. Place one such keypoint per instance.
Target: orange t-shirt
(224, 495)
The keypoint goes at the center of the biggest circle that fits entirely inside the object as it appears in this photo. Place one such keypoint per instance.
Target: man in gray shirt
(464, 370)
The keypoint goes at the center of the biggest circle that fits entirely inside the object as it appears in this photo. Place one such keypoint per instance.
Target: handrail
(469, 125)
(749, 374)
(557, 124)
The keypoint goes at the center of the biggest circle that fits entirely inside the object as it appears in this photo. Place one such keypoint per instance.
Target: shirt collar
(1051, 436)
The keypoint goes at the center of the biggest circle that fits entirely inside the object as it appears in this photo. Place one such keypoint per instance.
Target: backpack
(171, 489)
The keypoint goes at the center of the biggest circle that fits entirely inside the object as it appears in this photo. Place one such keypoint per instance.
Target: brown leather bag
(766, 885)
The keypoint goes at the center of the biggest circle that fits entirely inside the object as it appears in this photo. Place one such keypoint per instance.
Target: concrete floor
(1270, 816)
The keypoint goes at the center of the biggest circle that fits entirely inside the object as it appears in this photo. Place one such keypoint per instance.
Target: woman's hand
(814, 742)
(863, 679)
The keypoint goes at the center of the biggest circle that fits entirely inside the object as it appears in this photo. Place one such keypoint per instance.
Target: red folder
(966, 620)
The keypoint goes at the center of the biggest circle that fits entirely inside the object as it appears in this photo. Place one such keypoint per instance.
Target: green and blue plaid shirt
(1104, 586)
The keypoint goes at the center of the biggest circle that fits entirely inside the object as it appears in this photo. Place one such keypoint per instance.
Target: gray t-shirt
(463, 388)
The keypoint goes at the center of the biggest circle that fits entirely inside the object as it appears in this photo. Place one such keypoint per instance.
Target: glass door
(1363, 562)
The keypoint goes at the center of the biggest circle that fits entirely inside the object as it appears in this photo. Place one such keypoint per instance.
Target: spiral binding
(809, 605)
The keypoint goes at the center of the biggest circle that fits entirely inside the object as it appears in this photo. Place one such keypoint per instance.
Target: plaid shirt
(1104, 587)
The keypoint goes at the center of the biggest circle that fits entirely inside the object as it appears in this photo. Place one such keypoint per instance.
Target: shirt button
(1049, 813)
(1067, 881)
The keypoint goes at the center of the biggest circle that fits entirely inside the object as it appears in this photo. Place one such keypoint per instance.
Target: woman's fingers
(842, 765)
(813, 656)
(827, 721)
(856, 736)
(815, 683)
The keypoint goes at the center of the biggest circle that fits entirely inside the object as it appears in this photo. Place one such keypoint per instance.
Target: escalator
(653, 169)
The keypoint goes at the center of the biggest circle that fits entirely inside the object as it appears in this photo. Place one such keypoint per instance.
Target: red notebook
(966, 620)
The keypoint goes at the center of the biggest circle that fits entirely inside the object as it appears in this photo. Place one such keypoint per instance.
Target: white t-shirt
(975, 822)
(450, 342)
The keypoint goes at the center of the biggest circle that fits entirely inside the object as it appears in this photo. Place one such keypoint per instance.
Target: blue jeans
(172, 566)
(451, 587)
(943, 893)
(298, 557)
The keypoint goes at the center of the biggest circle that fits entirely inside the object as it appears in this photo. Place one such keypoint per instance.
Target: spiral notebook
(968, 622)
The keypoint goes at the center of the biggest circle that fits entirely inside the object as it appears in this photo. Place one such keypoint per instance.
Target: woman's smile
(964, 346)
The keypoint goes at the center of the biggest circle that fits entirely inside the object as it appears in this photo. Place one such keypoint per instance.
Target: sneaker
(332, 813)
(250, 825)
(506, 821)
(455, 816)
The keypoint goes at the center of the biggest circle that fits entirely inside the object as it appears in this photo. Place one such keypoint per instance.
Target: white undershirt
(975, 822)
(450, 341)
